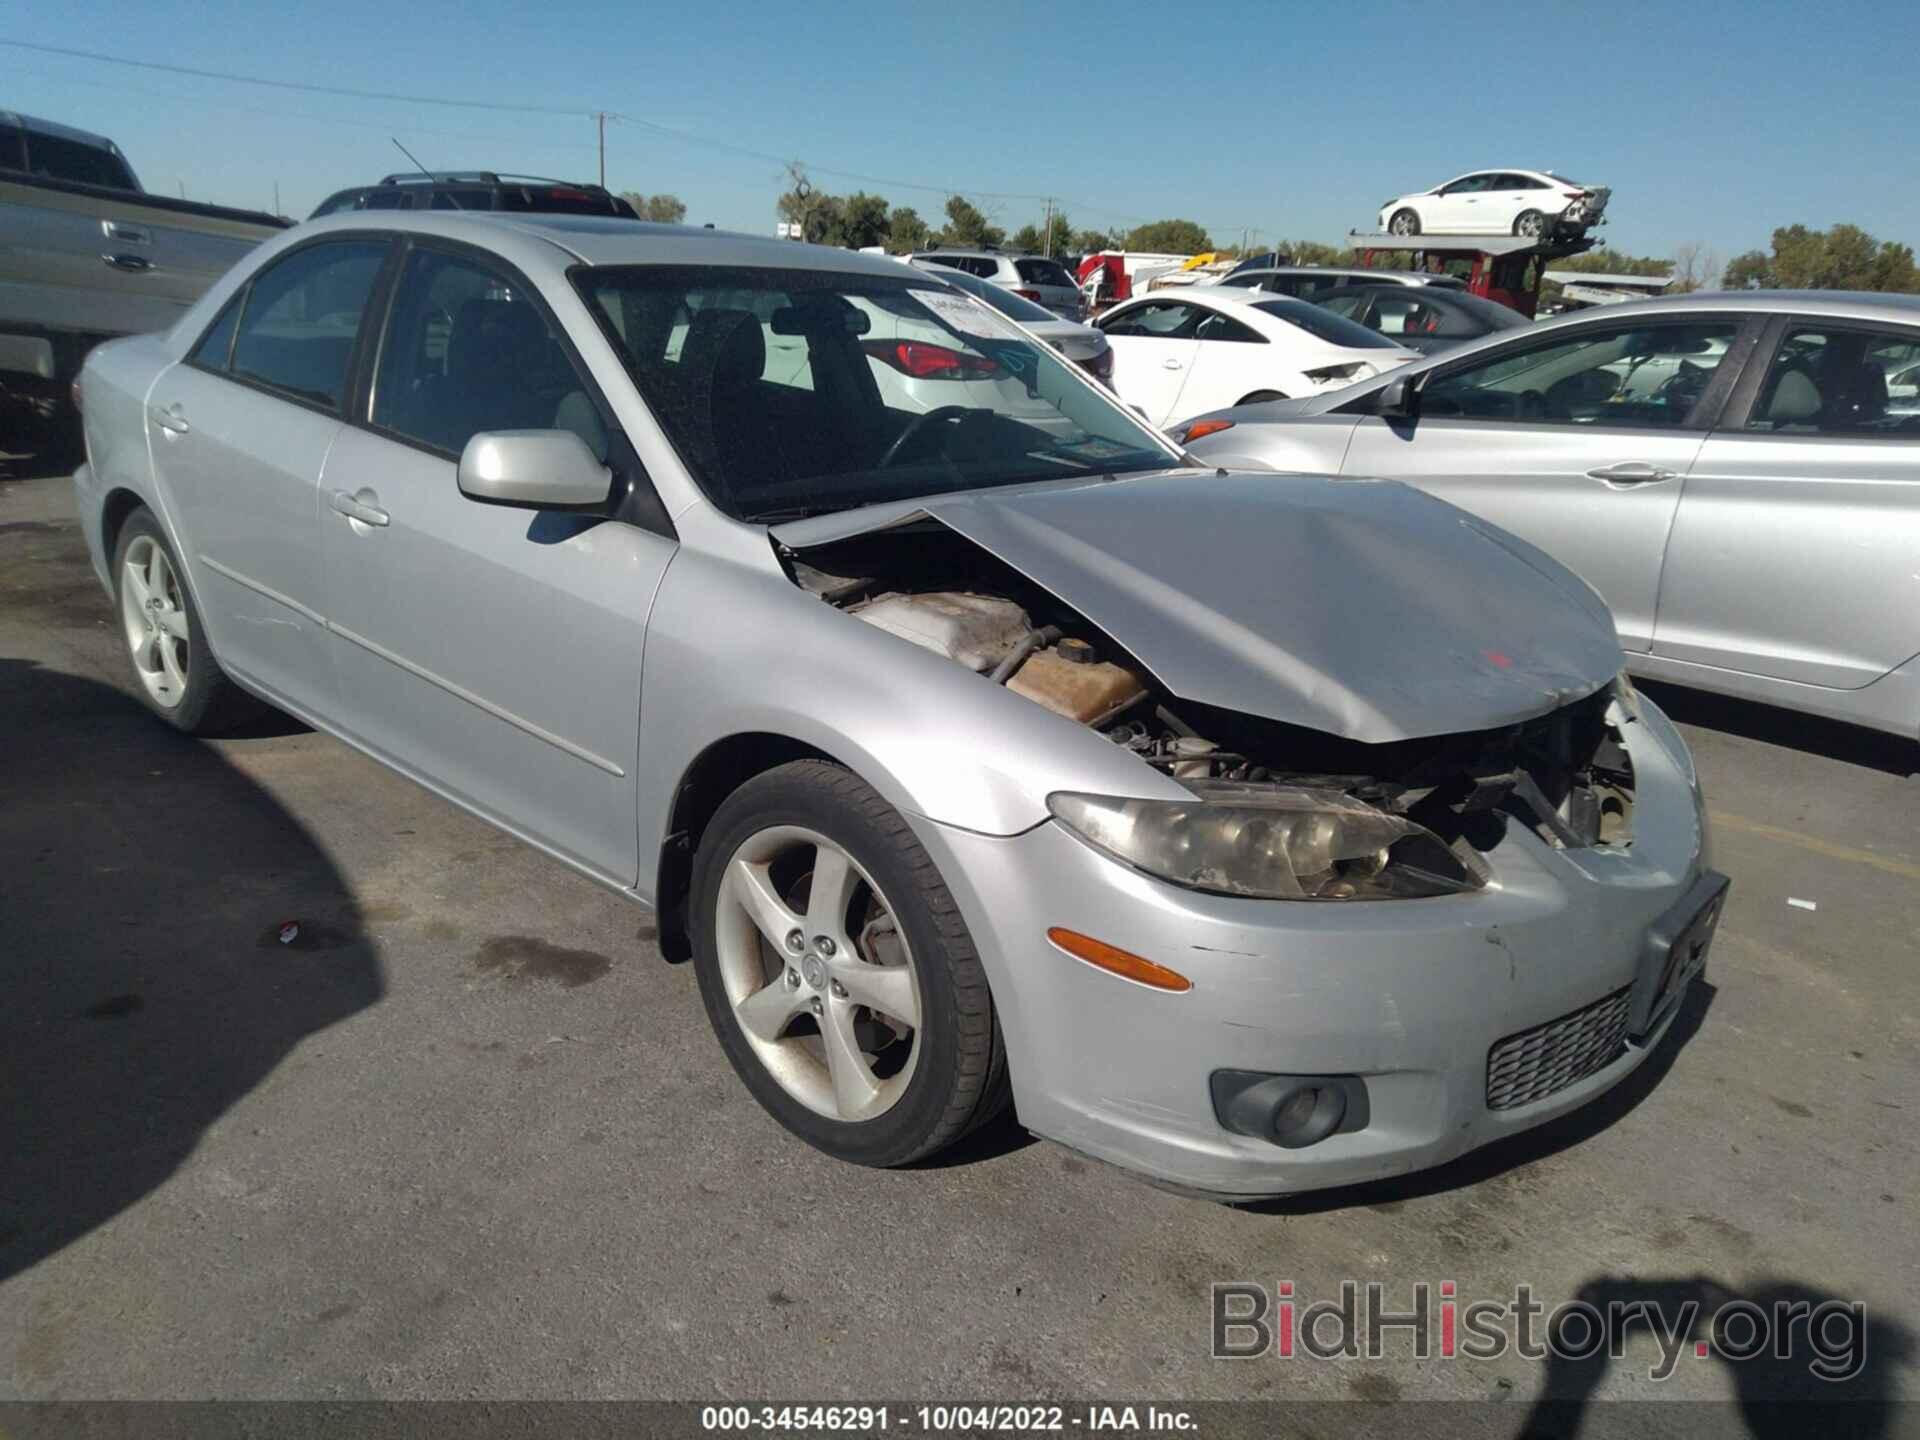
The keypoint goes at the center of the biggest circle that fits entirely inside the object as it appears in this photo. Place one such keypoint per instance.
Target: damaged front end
(1278, 810)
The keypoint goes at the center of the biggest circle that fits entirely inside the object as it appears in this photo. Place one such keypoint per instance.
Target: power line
(653, 126)
(290, 84)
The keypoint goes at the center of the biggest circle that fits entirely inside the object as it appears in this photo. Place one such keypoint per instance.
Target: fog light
(1291, 1111)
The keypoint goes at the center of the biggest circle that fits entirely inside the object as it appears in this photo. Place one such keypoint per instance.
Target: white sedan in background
(1496, 202)
(1211, 347)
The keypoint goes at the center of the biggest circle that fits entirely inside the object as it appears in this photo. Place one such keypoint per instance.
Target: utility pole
(276, 197)
(601, 117)
(1046, 242)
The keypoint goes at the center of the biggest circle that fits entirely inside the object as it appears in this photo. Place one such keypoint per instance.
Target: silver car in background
(1085, 345)
(1256, 836)
(1737, 474)
(1046, 282)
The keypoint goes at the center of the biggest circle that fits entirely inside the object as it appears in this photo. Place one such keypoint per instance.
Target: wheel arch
(714, 774)
(120, 503)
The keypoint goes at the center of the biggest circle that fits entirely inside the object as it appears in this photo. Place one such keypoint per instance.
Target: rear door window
(1158, 320)
(301, 318)
(1043, 272)
(1834, 380)
(58, 158)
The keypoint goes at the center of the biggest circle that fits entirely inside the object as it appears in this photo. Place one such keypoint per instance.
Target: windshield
(1013, 306)
(795, 392)
(1325, 325)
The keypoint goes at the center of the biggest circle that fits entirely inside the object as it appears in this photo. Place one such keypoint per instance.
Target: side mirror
(538, 469)
(1398, 399)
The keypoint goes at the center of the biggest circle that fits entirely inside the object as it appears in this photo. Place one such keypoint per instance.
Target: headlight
(1275, 842)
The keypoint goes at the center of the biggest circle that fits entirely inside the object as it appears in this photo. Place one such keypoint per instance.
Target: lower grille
(1536, 1063)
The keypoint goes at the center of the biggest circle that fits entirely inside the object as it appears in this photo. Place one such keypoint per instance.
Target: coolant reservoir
(978, 631)
(1091, 691)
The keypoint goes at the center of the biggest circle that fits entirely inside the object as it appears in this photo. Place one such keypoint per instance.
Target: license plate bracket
(1675, 952)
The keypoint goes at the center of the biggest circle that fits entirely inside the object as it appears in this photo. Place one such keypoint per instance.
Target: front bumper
(1410, 995)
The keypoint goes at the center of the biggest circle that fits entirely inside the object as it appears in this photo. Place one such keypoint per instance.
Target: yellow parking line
(1723, 821)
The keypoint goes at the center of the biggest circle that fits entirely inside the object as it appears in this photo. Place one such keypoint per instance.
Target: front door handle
(132, 264)
(1171, 364)
(1632, 472)
(170, 419)
(366, 511)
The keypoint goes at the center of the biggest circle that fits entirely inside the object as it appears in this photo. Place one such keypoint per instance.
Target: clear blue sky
(1713, 122)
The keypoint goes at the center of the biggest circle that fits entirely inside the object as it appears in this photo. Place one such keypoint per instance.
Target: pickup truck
(85, 255)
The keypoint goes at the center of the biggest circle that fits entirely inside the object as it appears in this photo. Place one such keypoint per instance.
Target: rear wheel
(837, 972)
(1404, 222)
(1530, 224)
(174, 672)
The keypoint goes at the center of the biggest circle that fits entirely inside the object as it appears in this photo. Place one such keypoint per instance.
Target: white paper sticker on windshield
(967, 316)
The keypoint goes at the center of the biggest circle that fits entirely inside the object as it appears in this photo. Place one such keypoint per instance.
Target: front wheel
(1404, 222)
(1530, 224)
(175, 671)
(837, 972)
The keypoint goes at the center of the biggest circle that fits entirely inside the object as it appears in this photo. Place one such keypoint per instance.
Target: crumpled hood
(1361, 608)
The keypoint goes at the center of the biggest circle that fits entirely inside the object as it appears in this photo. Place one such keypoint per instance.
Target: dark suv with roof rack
(478, 190)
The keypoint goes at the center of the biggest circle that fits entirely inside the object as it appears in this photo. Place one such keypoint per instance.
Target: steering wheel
(941, 415)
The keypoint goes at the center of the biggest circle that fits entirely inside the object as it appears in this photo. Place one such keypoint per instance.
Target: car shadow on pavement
(1574, 1128)
(1801, 1361)
(143, 882)
(1771, 725)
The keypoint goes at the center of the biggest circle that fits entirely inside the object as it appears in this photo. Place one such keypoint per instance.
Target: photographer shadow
(1823, 1367)
(143, 886)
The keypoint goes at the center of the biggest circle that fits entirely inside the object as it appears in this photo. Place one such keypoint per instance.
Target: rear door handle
(1171, 364)
(132, 264)
(127, 234)
(354, 508)
(170, 419)
(1632, 472)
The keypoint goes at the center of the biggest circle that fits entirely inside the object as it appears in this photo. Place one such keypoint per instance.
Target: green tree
(1091, 242)
(1028, 237)
(1175, 237)
(906, 230)
(1749, 271)
(863, 221)
(663, 208)
(1312, 252)
(1843, 258)
(968, 226)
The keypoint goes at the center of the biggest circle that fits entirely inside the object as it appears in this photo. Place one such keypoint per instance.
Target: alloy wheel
(154, 617)
(819, 973)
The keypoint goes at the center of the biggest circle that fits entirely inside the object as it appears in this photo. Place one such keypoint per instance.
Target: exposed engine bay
(1566, 775)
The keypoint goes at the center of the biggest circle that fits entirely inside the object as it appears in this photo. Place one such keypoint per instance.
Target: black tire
(959, 1081)
(1259, 397)
(1405, 221)
(211, 704)
(1530, 224)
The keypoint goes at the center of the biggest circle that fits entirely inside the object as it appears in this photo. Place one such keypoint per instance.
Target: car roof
(56, 130)
(1837, 304)
(1423, 276)
(608, 239)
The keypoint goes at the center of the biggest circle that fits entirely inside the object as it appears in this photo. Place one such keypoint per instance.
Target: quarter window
(1637, 375)
(301, 317)
(1841, 382)
(216, 346)
(468, 350)
(1223, 327)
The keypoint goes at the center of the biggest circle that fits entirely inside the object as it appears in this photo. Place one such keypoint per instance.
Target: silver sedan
(1258, 837)
(1737, 474)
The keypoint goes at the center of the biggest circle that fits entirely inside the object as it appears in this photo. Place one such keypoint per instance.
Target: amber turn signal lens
(1116, 961)
(1204, 427)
